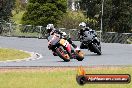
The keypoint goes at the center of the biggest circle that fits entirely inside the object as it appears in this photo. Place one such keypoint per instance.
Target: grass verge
(56, 77)
(12, 54)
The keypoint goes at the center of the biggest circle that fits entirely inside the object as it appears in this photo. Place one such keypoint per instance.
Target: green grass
(12, 54)
(17, 19)
(57, 79)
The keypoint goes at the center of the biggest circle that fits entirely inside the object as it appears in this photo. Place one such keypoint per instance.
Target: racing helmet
(82, 25)
(49, 28)
(64, 34)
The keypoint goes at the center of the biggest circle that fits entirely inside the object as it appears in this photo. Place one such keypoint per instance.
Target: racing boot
(55, 54)
(79, 52)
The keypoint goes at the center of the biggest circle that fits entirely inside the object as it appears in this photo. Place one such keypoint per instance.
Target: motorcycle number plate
(64, 42)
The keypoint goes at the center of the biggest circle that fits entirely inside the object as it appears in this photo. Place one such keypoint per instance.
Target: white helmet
(82, 24)
(50, 26)
(64, 33)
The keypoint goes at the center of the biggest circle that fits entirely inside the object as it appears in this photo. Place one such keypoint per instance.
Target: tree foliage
(5, 9)
(71, 20)
(42, 12)
(120, 19)
(117, 13)
(92, 7)
(19, 6)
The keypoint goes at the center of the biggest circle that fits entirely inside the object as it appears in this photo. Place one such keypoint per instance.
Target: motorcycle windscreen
(54, 40)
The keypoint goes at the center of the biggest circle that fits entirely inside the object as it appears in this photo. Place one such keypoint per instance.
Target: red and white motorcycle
(64, 49)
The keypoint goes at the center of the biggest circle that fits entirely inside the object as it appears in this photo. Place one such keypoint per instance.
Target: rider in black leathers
(81, 33)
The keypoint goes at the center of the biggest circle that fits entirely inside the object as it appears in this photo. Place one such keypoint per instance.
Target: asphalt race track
(113, 54)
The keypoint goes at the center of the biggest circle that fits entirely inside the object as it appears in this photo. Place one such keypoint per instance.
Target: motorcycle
(64, 49)
(91, 43)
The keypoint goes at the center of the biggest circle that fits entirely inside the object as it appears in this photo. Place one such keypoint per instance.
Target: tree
(20, 5)
(117, 13)
(5, 9)
(92, 10)
(92, 7)
(71, 20)
(42, 12)
(121, 17)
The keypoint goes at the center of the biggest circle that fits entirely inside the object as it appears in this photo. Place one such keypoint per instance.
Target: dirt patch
(37, 69)
(58, 69)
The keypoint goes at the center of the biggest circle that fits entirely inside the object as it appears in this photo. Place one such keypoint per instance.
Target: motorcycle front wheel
(63, 54)
(79, 55)
(96, 49)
